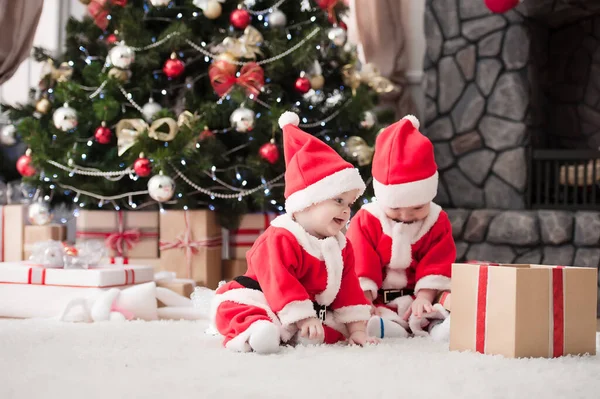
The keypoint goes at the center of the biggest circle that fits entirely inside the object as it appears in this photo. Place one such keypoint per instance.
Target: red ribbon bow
(251, 78)
(121, 239)
(184, 241)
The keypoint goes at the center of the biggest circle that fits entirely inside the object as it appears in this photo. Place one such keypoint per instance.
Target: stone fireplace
(503, 91)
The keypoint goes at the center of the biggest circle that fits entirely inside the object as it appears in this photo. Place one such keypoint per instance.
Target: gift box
(251, 226)
(190, 245)
(35, 234)
(12, 227)
(233, 268)
(100, 277)
(154, 263)
(129, 234)
(524, 310)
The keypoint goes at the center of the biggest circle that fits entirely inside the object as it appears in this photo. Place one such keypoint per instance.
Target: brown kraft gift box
(252, 225)
(524, 310)
(35, 234)
(129, 234)
(12, 232)
(190, 245)
(233, 268)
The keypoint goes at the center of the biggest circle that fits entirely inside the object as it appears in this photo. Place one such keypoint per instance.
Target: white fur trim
(289, 118)
(350, 314)
(406, 194)
(328, 250)
(296, 311)
(100, 310)
(250, 297)
(368, 285)
(394, 279)
(414, 120)
(402, 236)
(433, 282)
(240, 342)
(328, 187)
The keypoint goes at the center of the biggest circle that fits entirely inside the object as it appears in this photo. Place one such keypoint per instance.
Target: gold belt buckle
(386, 292)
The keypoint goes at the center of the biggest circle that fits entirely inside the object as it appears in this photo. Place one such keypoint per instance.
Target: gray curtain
(19, 20)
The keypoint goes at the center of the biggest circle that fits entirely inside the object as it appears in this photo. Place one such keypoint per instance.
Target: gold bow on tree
(128, 130)
(369, 75)
(246, 46)
(357, 148)
(50, 74)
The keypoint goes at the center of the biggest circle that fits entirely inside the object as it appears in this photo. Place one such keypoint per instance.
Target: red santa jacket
(294, 269)
(392, 255)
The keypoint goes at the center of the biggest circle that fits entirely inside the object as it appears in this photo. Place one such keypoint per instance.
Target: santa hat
(404, 169)
(314, 171)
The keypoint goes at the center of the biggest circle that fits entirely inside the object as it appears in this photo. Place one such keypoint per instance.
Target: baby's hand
(311, 328)
(361, 338)
(418, 307)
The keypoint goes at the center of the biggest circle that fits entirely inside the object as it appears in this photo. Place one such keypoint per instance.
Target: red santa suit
(293, 275)
(395, 260)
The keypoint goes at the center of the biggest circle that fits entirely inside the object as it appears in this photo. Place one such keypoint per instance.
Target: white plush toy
(137, 302)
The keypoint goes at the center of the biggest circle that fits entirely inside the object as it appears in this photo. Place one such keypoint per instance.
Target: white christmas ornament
(277, 19)
(150, 109)
(337, 35)
(242, 120)
(39, 214)
(160, 3)
(369, 120)
(65, 118)
(161, 188)
(8, 135)
(121, 56)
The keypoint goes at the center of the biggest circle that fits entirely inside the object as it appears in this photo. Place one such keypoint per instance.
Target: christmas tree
(175, 103)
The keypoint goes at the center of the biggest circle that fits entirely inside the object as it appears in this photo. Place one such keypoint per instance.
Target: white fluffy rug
(48, 359)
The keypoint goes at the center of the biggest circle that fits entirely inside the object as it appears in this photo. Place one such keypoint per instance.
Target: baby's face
(408, 215)
(329, 217)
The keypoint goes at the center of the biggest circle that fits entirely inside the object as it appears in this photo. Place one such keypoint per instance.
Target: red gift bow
(558, 311)
(252, 78)
(99, 11)
(184, 241)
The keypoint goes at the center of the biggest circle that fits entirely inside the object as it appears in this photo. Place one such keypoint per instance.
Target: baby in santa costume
(403, 245)
(301, 286)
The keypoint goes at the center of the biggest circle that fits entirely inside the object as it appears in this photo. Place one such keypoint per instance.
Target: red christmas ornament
(325, 4)
(269, 152)
(206, 134)
(24, 166)
(334, 21)
(501, 6)
(240, 18)
(112, 39)
(103, 135)
(302, 85)
(142, 166)
(173, 67)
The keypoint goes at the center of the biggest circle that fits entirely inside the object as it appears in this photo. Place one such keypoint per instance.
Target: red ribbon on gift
(37, 275)
(251, 78)
(558, 310)
(250, 232)
(119, 240)
(190, 247)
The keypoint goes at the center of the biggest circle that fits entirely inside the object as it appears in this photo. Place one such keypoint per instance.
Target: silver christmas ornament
(39, 213)
(160, 3)
(65, 118)
(150, 109)
(277, 19)
(242, 120)
(369, 120)
(337, 35)
(161, 188)
(8, 135)
(121, 56)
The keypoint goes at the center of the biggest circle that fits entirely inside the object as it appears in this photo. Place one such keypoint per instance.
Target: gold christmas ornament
(357, 148)
(369, 75)
(246, 46)
(317, 82)
(212, 10)
(51, 75)
(187, 118)
(122, 75)
(43, 106)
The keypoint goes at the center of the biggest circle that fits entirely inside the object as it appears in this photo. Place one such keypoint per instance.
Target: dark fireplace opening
(564, 72)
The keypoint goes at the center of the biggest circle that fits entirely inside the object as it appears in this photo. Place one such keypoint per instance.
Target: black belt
(390, 295)
(252, 284)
